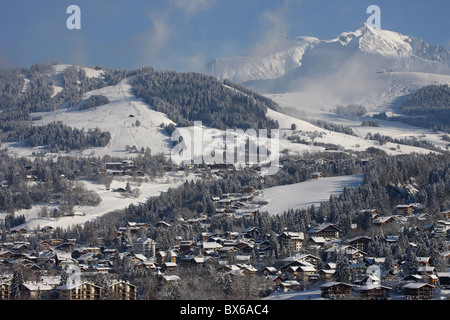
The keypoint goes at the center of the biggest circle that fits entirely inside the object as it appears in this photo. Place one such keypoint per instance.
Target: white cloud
(275, 29)
(154, 40)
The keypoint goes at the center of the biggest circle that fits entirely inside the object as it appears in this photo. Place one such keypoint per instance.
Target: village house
(316, 175)
(350, 252)
(79, 291)
(121, 290)
(36, 291)
(381, 221)
(405, 209)
(269, 271)
(418, 291)
(5, 291)
(361, 243)
(328, 231)
(289, 285)
(292, 240)
(145, 246)
(374, 292)
(336, 290)
(326, 275)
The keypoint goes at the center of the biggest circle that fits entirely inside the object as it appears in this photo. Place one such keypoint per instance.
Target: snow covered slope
(305, 194)
(317, 138)
(119, 117)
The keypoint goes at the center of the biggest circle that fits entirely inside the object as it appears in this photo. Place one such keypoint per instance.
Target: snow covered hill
(130, 121)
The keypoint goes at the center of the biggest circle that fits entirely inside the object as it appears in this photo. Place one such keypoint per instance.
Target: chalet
(307, 272)
(446, 214)
(20, 248)
(413, 277)
(269, 271)
(335, 290)
(36, 291)
(418, 291)
(292, 240)
(388, 275)
(121, 290)
(66, 246)
(326, 274)
(195, 261)
(289, 285)
(444, 279)
(405, 209)
(381, 221)
(6, 254)
(186, 245)
(328, 231)
(251, 232)
(229, 268)
(247, 269)
(361, 243)
(291, 263)
(308, 258)
(45, 245)
(5, 289)
(145, 246)
(273, 281)
(168, 266)
(20, 230)
(351, 252)
(170, 279)
(374, 292)
(316, 242)
(423, 261)
(228, 250)
(316, 175)
(245, 247)
(79, 291)
(162, 224)
(374, 260)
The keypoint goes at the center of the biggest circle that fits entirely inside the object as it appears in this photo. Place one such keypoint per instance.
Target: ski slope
(305, 194)
(119, 118)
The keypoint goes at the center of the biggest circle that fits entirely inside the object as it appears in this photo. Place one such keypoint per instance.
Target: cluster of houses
(237, 253)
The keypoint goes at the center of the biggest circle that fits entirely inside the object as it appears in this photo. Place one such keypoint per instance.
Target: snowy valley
(353, 191)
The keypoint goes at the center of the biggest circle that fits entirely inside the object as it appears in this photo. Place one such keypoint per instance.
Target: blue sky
(184, 34)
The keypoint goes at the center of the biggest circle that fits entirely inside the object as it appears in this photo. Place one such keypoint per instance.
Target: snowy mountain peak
(405, 53)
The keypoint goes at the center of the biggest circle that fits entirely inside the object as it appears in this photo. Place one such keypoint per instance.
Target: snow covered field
(351, 142)
(305, 194)
(110, 201)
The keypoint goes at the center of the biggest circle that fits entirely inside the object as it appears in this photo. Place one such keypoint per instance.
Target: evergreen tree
(16, 284)
(342, 273)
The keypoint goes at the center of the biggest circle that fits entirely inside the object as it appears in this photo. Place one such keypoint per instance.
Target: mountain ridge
(389, 49)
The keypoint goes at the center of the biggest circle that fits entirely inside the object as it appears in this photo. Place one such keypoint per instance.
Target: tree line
(189, 97)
